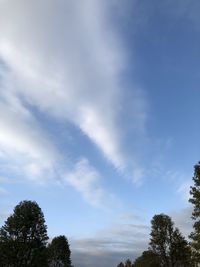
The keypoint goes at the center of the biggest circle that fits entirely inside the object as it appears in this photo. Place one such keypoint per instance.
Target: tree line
(24, 241)
(167, 246)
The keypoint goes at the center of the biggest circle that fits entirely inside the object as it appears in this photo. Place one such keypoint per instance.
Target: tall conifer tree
(195, 200)
(23, 237)
(168, 243)
(59, 254)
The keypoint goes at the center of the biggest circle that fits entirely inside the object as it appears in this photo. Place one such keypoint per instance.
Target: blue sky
(99, 118)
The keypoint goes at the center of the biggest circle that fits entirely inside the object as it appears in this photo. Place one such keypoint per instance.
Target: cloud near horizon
(111, 246)
(122, 241)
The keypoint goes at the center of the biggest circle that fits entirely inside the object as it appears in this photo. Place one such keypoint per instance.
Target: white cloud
(121, 241)
(113, 244)
(68, 65)
(65, 62)
(24, 147)
(138, 175)
(27, 151)
(86, 180)
(182, 219)
(129, 216)
(184, 190)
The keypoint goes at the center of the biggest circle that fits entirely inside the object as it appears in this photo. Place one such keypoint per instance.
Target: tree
(180, 250)
(59, 252)
(128, 263)
(161, 236)
(168, 243)
(147, 259)
(23, 237)
(195, 200)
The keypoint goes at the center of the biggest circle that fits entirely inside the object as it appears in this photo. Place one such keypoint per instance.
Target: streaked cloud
(27, 151)
(122, 241)
(114, 244)
(182, 219)
(184, 190)
(24, 146)
(86, 180)
(69, 67)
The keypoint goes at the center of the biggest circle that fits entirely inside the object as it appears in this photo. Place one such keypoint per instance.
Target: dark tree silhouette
(23, 237)
(161, 236)
(180, 250)
(147, 259)
(128, 263)
(168, 243)
(59, 252)
(120, 265)
(195, 200)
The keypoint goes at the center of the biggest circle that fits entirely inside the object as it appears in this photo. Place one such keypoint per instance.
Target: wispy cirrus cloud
(24, 146)
(86, 179)
(184, 190)
(26, 151)
(69, 66)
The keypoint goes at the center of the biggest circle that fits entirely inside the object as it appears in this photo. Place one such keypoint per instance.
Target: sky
(99, 108)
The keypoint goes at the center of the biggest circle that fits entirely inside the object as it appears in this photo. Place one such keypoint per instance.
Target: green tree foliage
(128, 263)
(23, 237)
(59, 252)
(180, 250)
(161, 236)
(168, 243)
(195, 200)
(147, 259)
